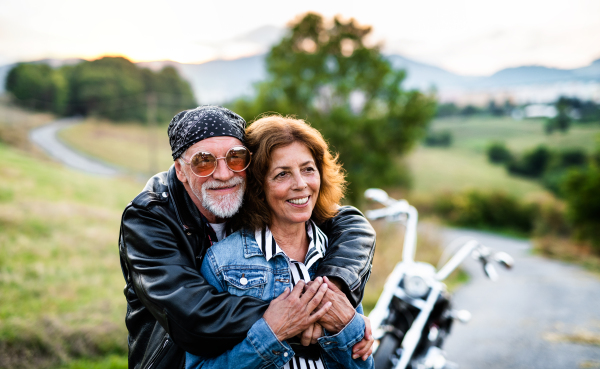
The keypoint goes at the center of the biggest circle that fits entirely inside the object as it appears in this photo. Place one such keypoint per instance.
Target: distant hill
(220, 81)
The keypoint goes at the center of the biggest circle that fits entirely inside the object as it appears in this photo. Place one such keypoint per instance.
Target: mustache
(213, 184)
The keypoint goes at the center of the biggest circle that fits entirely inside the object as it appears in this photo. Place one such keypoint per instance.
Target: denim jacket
(238, 266)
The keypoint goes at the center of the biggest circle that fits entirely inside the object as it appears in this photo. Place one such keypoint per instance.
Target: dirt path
(538, 315)
(45, 137)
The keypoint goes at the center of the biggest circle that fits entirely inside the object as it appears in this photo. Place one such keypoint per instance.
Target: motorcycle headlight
(416, 286)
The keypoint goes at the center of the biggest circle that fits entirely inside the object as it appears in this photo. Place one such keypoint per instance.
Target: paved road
(45, 137)
(522, 320)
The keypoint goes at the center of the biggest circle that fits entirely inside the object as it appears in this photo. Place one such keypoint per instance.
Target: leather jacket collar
(177, 191)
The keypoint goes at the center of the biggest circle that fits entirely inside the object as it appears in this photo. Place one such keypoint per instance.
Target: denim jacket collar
(251, 247)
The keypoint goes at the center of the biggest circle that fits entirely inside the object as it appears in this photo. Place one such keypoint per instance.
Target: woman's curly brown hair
(272, 132)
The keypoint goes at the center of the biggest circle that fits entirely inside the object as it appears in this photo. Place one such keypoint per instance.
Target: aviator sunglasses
(203, 163)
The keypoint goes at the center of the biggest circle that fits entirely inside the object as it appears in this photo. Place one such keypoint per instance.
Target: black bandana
(191, 126)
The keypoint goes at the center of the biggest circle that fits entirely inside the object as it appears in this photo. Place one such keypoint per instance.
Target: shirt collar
(316, 247)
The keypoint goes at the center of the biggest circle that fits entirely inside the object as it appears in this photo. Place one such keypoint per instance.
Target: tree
(347, 90)
(38, 86)
(562, 121)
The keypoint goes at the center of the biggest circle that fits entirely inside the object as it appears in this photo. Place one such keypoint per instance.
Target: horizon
(264, 53)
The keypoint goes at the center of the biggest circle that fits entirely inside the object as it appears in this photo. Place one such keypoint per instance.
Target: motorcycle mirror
(378, 195)
(504, 259)
(490, 271)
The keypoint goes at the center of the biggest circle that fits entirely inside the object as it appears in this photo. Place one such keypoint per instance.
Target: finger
(283, 295)
(297, 291)
(366, 356)
(317, 298)
(310, 283)
(360, 348)
(312, 290)
(317, 333)
(368, 333)
(319, 313)
(306, 337)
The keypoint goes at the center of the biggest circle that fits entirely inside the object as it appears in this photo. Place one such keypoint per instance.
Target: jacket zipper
(157, 353)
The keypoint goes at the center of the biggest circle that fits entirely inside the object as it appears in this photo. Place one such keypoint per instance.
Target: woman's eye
(280, 174)
(309, 169)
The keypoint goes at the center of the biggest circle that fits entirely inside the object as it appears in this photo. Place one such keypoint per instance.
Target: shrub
(581, 190)
(441, 139)
(532, 163)
(550, 218)
(498, 153)
(571, 158)
(495, 210)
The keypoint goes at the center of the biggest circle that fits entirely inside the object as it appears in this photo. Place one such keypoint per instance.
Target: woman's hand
(292, 312)
(364, 348)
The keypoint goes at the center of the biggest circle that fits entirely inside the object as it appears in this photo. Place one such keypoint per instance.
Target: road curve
(45, 138)
(530, 318)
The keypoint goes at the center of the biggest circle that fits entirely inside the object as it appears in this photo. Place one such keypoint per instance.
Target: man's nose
(222, 173)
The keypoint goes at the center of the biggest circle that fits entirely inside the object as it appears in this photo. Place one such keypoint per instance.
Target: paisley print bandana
(191, 126)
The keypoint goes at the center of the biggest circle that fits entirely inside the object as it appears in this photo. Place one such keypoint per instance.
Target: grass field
(135, 147)
(464, 165)
(475, 134)
(60, 278)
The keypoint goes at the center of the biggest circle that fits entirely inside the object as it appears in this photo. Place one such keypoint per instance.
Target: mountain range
(219, 81)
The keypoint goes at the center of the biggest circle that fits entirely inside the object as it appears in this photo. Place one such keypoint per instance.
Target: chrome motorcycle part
(415, 286)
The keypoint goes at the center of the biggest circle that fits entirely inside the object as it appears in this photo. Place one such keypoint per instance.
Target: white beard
(222, 206)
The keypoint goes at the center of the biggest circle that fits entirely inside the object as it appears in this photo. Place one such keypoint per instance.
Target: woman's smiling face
(292, 185)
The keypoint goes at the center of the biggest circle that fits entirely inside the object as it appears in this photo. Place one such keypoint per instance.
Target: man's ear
(179, 171)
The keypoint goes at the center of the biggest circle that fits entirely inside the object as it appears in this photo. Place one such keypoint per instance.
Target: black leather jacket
(170, 307)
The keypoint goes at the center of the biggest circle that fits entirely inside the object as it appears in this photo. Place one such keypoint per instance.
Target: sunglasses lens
(238, 159)
(203, 164)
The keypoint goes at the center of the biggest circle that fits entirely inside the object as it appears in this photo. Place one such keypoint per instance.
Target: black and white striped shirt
(298, 271)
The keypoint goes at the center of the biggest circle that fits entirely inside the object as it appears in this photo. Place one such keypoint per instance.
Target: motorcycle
(414, 313)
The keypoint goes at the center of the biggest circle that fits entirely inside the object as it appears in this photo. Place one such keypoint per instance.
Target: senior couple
(240, 256)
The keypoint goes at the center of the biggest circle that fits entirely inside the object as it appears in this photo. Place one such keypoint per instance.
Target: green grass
(475, 134)
(437, 170)
(110, 362)
(464, 165)
(133, 146)
(60, 279)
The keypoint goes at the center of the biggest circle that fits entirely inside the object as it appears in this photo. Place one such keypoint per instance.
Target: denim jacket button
(285, 354)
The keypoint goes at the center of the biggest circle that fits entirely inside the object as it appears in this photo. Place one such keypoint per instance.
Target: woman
(294, 183)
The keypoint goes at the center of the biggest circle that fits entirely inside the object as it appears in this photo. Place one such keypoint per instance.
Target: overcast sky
(471, 37)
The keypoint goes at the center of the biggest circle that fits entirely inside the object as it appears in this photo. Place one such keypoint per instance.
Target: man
(167, 228)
